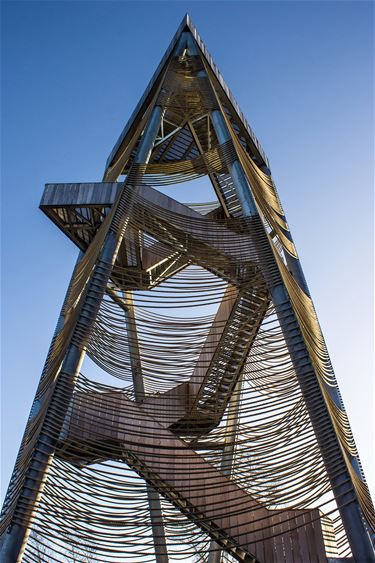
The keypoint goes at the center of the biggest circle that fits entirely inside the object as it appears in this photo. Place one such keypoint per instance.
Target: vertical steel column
(17, 533)
(35, 407)
(330, 448)
(156, 515)
(248, 204)
(226, 465)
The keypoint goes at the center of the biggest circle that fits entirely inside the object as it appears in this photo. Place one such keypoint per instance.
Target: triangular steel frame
(114, 211)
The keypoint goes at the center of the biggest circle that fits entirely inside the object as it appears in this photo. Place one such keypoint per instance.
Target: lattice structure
(209, 426)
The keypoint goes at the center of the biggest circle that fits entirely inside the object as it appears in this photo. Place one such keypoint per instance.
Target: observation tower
(187, 409)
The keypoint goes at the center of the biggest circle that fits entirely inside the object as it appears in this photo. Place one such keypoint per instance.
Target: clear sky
(302, 73)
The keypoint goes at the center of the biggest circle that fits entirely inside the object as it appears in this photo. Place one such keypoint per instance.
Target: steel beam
(153, 497)
(235, 169)
(214, 183)
(244, 195)
(226, 465)
(330, 448)
(35, 407)
(341, 483)
(16, 535)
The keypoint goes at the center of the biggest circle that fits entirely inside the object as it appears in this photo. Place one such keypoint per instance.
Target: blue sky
(302, 73)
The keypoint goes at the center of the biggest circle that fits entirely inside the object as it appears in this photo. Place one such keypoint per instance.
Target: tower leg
(16, 535)
(330, 448)
(5, 539)
(153, 497)
(228, 455)
(248, 204)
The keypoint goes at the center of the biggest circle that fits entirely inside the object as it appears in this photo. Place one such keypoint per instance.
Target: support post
(153, 497)
(330, 448)
(226, 465)
(35, 407)
(212, 177)
(16, 535)
(248, 204)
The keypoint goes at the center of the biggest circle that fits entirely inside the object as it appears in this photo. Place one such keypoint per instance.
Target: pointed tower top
(188, 22)
(185, 25)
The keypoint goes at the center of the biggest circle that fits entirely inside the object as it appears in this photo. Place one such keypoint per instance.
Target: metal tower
(214, 429)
